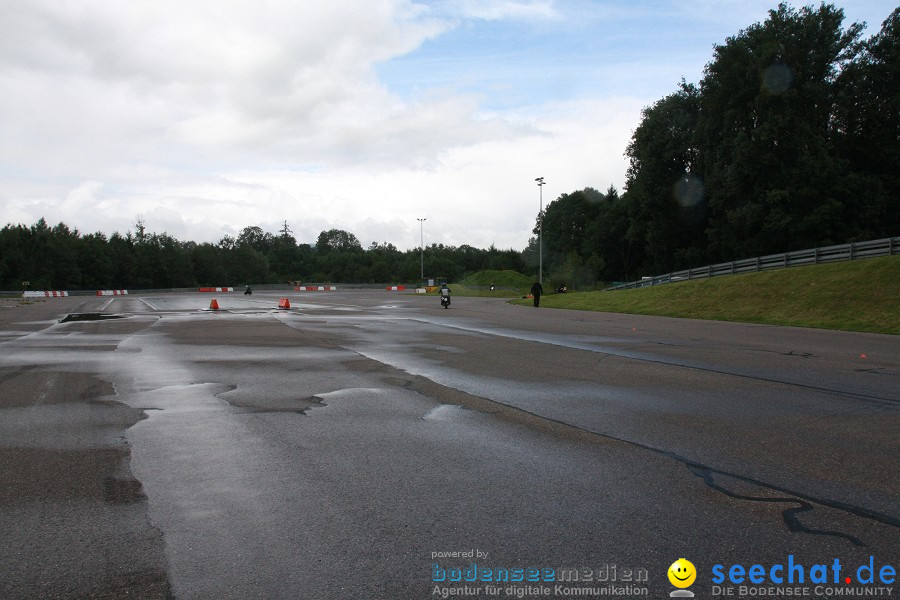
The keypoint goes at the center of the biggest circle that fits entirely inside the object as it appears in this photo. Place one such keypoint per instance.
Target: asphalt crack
(802, 503)
(790, 515)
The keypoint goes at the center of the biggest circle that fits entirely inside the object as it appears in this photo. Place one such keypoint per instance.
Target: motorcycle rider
(445, 295)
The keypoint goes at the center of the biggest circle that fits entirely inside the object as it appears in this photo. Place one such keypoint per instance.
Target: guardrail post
(757, 263)
(851, 251)
(816, 254)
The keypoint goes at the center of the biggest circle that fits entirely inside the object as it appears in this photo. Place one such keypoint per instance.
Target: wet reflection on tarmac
(328, 450)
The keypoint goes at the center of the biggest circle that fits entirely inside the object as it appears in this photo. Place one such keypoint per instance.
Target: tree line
(791, 140)
(61, 258)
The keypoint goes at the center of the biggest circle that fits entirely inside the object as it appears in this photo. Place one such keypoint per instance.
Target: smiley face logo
(682, 573)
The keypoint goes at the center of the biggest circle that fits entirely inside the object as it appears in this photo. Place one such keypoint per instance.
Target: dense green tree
(285, 258)
(337, 239)
(95, 262)
(60, 258)
(256, 238)
(866, 129)
(121, 253)
(210, 265)
(586, 226)
(15, 257)
(565, 223)
(767, 160)
(666, 196)
(248, 265)
(617, 253)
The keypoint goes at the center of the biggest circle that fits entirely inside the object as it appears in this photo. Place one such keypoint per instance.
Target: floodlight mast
(422, 246)
(540, 183)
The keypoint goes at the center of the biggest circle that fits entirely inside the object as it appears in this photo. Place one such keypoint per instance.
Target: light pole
(422, 246)
(540, 182)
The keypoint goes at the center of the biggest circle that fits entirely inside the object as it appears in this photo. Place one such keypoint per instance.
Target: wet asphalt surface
(333, 450)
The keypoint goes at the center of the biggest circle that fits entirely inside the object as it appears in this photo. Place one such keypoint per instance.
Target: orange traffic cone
(284, 303)
(213, 305)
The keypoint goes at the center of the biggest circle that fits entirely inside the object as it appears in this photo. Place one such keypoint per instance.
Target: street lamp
(422, 246)
(540, 183)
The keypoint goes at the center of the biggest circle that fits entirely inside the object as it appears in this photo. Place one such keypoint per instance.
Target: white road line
(148, 304)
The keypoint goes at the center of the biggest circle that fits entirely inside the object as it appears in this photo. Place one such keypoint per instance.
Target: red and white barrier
(315, 288)
(217, 289)
(112, 292)
(44, 294)
(395, 288)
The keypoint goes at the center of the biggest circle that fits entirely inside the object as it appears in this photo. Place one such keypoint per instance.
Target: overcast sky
(204, 117)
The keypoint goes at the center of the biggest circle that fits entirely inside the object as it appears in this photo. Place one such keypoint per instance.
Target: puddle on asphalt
(446, 412)
(90, 317)
(244, 403)
(351, 393)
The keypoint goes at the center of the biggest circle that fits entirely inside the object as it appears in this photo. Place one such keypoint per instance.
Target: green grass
(463, 290)
(507, 278)
(860, 295)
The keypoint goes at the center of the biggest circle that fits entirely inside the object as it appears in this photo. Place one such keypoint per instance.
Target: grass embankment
(512, 279)
(508, 284)
(463, 290)
(861, 295)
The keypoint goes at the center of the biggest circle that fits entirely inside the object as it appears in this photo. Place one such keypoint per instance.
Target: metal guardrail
(814, 256)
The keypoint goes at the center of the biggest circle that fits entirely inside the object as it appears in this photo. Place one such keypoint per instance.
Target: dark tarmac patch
(122, 491)
(30, 387)
(77, 522)
(234, 332)
(75, 517)
(90, 317)
(36, 474)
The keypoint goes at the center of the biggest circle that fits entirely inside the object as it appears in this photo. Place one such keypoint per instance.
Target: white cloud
(216, 79)
(478, 195)
(501, 9)
(208, 116)
(150, 108)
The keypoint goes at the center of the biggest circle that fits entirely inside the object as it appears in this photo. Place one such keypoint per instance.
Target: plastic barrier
(36, 294)
(217, 289)
(112, 292)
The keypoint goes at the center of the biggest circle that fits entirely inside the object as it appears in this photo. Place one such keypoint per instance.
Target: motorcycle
(248, 291)
(445, 298)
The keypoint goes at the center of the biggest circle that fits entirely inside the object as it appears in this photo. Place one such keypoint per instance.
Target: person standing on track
(536, 290)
